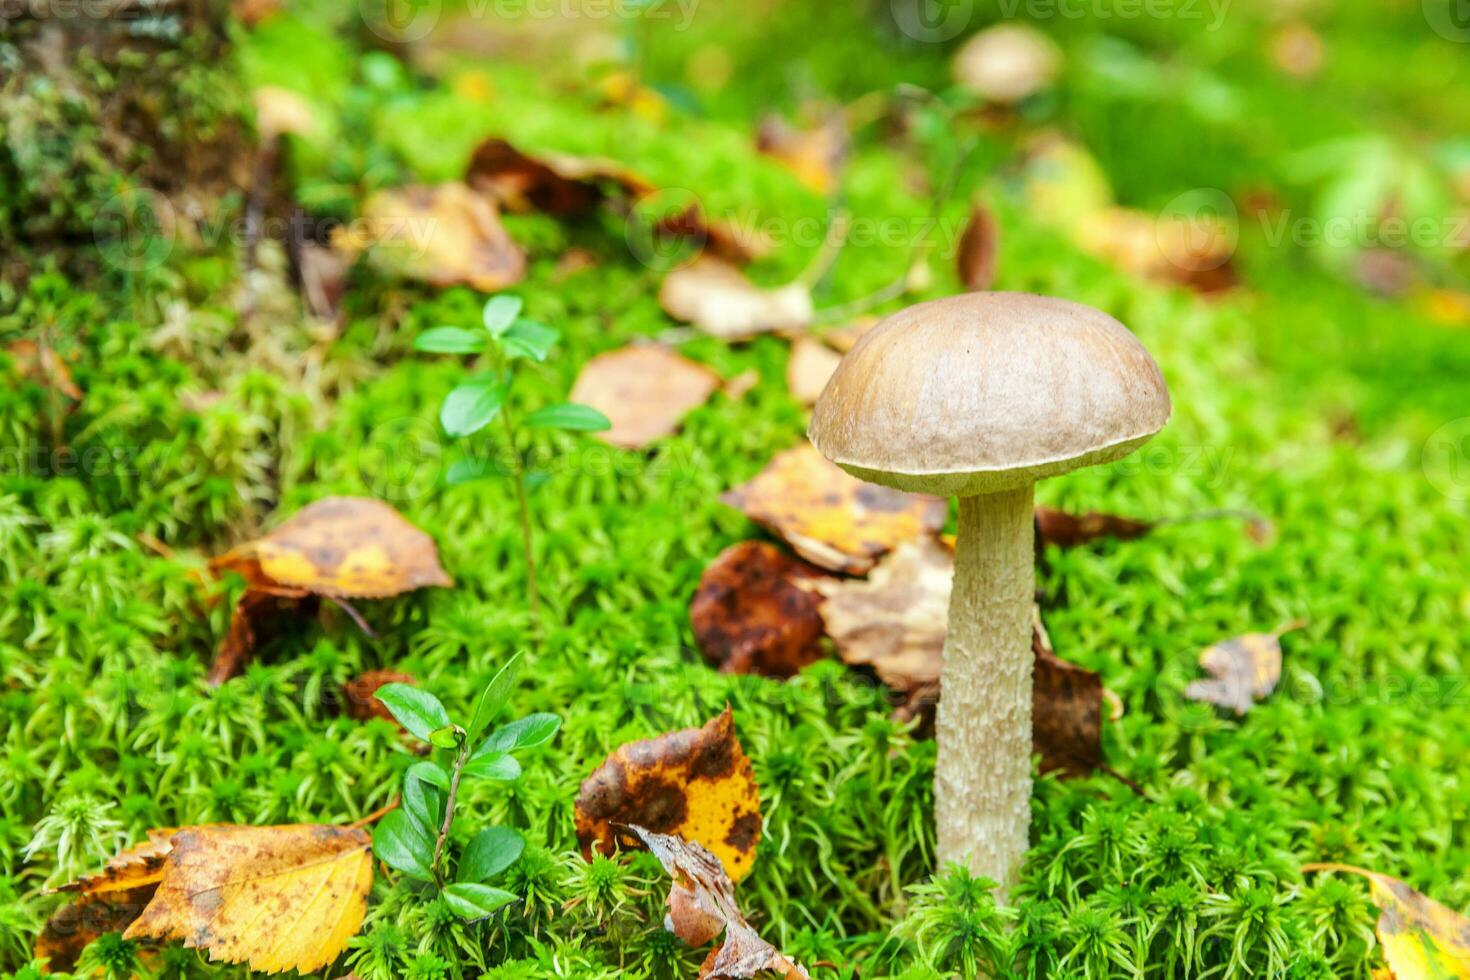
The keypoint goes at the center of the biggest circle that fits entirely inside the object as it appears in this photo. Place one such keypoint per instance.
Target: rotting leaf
(702, 903)
(808, 369)
(719, 239)
(830, 518)
(554, 183)
(280, 898)
(1245, 669)
(645, 390)
(753, 614)
(348, 547)
(361, 694)
(844, 338)
(719, 300)
(257, 617)
(446, 235)
(1422, 939)
(978, 250)
(814, 155)
(1064, 530)
(40, 363)
(1066, 709)
(696, 782)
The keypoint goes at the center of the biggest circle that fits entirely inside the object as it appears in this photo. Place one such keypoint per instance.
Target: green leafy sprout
(508, 340)
(412, 839)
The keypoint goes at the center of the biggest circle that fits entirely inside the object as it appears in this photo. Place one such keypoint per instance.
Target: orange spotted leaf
(754, 614)
(696, 783)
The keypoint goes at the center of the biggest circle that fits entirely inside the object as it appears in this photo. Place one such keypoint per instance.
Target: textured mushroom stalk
(982, 783)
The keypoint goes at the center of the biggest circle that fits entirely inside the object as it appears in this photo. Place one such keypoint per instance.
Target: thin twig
(377, 814)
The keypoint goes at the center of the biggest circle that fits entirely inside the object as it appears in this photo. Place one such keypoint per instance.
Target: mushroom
(1007, 63)
(979, 396)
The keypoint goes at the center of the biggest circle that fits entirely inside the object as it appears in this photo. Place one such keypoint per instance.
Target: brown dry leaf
(361, 693)
(555, 183)
(348, 547)
(1064, 530)
(815, 155)
(1245, 669)
(1422, 939)
(259, 615)
(77, 924)
(754, 612)
(702, 903)
(845, 338)
(829, 517)
(721, 239)
(278, 898)
(978, 250)
(696, 782)
(718, 299)
(1066, 709)
(1193, 251)
(447, 235)
(808, 369)
(40, 363)
(645, 390)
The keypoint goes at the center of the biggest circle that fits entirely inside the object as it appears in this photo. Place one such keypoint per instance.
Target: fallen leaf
(696, 783)
(808, 369)
(814, 155)
(829, 517)
(702, 903)
(361, 694)
(645, 390)
(40, 363)
(1422, 939)
(1066, 710)
(1006, 63)
(1193, 251)
(718, 299)
(895, 621)
(1245, 669)
(844, 338)
(720, 239)
(1064, 530)
(752, 614)
(347, 547)
(978, 249)
(258, 616)
(278, 898)
(554, 183)
(446, 235)
(742, 384)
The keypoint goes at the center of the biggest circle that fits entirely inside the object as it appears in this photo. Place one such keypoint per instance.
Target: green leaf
(450, 340)
(447, 737)
(472, 901)
(523, 733)
(416, 709)
(399, 844)
(490, 852)
(569, 417)
(500, 313)
(500, 766)
(472, 406)
(527, 338)
(431, 773)
(492, 698)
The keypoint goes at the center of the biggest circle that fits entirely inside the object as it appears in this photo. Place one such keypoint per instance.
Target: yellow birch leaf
(1422, 939)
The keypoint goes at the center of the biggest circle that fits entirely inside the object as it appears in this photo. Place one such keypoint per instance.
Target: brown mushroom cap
(987, 391)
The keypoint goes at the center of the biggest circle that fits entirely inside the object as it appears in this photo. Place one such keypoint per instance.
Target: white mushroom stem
(982, 783)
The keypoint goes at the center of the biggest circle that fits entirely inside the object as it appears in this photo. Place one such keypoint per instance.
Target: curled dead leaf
(718, 299)
(830, 518)
(1421, 939)
(702, 904)
(1066, 709)
(978, 250)
(645, 390)
(1066, 530)
(696, 783)
(554, 183)
(809, 368)
(1244, 670)
(814, 155)
(754, 614)
(719, 239)
(361, 694)
(446, 235)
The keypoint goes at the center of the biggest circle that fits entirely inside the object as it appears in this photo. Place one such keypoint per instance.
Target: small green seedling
(413, 838)
(509, 340)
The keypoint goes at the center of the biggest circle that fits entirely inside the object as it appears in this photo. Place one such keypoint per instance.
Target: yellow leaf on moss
(696, 783)
(278, 898)
(830, 518)
(1422, 939)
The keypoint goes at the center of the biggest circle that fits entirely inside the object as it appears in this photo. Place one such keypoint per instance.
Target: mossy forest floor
(1299, 394)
